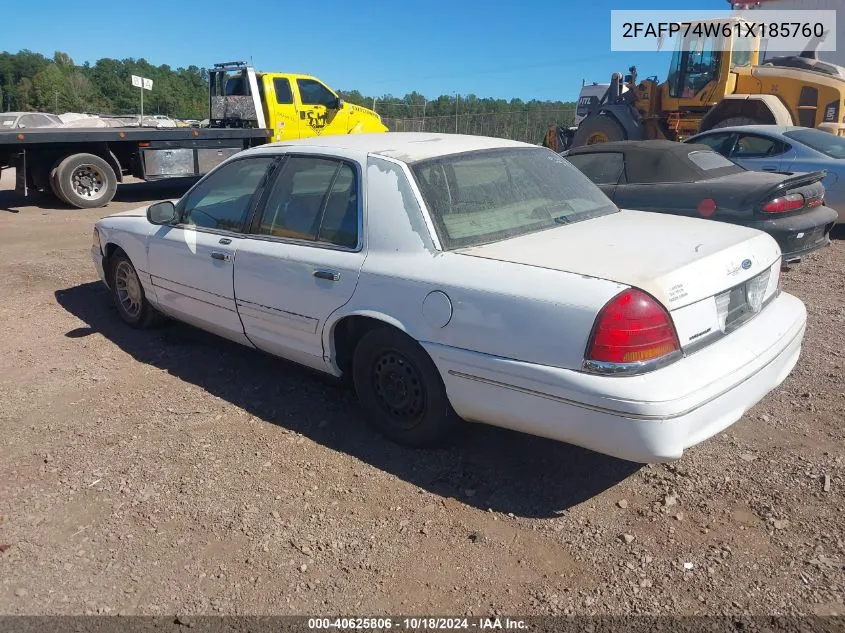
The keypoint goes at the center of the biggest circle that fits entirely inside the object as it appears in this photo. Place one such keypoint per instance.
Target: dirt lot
(172, 472)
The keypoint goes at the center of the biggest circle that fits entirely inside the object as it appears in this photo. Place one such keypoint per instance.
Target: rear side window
(315, 200)
(284, 96)
(708, 161)
(603, 168)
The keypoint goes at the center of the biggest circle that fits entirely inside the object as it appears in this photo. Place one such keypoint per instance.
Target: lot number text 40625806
(418, 624)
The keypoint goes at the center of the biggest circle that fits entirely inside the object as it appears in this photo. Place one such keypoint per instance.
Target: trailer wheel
(54, 184)
(597, 129)
(86, 181)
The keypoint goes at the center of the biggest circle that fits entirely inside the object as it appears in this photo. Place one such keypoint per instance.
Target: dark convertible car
(693, 180)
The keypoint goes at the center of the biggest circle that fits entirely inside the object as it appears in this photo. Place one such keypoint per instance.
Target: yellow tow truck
(289, 105)
(83, 167)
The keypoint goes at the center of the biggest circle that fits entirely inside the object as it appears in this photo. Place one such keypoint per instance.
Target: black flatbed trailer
(83, 166)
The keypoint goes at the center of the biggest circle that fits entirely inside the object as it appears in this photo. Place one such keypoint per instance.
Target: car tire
(598, 129)
(401, 390)
(735, 121)
(128, 293)
(86, 181)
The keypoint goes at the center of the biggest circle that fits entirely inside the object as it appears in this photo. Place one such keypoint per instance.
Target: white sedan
(463, 277)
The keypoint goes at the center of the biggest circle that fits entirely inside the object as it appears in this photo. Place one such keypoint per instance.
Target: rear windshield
(709, 160)
(7, 121)
(824, 142)
(486, 196)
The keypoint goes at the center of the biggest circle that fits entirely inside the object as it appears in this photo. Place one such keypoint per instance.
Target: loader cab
(704, 64)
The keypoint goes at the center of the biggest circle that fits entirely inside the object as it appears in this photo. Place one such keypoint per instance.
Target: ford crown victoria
(461, 277)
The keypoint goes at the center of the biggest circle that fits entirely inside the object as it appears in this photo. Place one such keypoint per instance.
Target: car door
(302, 258)
(191, 262)
(284, 119)
(758, 152)
(318, 109)
(605, 169)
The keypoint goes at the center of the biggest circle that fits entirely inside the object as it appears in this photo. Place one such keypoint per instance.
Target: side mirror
(338, 104)
(161, 212)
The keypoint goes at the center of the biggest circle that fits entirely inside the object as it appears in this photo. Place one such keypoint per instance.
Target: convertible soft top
(665, 161)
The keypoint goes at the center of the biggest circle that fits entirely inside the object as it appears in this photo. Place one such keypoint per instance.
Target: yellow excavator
(718, 82)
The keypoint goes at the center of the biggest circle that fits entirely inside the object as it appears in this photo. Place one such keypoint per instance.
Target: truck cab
(289, 105)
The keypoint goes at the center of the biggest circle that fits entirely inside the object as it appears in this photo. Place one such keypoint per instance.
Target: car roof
(772, 129)
(408, 147)
(658, 161)
(22, 113)
(660, 145)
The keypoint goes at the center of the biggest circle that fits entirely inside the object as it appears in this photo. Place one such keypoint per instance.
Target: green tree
(51, 88)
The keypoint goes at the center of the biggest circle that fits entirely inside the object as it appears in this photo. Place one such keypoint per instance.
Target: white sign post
(144, 84)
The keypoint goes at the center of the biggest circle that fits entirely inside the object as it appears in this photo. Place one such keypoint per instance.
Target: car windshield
(486, 196)
(7, 121)
(824, 142)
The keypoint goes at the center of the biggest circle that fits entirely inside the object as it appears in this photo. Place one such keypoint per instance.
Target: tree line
(30, 81)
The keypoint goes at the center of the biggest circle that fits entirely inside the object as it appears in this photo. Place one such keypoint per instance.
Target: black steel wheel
(400, 389)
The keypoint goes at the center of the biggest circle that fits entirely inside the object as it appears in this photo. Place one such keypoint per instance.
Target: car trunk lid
(686, 264)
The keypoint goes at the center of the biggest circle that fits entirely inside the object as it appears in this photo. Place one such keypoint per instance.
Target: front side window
(486, 196)
(695, 63)
(313, 199)
(603, 168)
(314, 93)
(222, 200)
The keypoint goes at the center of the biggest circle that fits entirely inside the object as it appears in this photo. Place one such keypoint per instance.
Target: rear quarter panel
(503, 309)
(735, 195)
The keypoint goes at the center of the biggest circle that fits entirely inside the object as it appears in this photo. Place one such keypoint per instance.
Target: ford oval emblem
(746, 264)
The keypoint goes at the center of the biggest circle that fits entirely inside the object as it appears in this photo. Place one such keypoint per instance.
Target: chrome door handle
(327, 274)
(223, 257)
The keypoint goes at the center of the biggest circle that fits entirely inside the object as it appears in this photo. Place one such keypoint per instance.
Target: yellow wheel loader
(717, 81)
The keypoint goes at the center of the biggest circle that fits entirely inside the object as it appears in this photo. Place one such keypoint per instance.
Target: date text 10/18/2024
(418, 624)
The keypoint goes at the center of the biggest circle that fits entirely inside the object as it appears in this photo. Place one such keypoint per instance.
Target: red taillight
(633, 327)
(786, 203)
(707, 207)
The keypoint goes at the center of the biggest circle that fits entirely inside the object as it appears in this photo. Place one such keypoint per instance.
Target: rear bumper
(799, 234)
(647, 418)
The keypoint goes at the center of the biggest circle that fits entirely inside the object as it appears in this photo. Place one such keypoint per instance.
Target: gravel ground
(173, 472)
